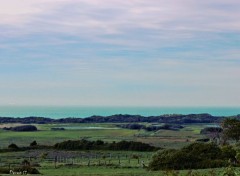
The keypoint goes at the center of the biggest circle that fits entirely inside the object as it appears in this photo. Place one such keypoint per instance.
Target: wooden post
(119, 162)
(55, 162)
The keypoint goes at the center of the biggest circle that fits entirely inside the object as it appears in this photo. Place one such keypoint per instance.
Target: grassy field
(93, 162)
(96, 168)
(101, 171)
(109, 132)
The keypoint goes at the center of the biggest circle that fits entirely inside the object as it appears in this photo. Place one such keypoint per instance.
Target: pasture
(114, 163)
(105, 132)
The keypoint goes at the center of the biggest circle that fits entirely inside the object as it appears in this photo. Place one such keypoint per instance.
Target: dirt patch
(8, 125)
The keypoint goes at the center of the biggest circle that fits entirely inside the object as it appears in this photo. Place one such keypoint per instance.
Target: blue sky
(113, 53)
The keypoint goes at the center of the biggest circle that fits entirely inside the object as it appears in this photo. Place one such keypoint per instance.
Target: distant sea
(63, 112)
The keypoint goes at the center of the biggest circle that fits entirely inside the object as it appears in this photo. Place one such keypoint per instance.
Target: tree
(13, 146)
(193, 156)
(32, 144)
(231, 129)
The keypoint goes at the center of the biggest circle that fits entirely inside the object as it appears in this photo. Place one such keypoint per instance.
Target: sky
(120, 53)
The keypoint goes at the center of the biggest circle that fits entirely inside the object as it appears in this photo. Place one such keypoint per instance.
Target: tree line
(122, 118)
(101, 145)
(135, 126)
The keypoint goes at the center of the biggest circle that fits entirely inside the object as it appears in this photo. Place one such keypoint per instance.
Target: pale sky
(120, 53)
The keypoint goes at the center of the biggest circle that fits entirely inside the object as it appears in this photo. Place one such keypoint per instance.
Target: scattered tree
(13, 146)
(33, 144)
(231, 129)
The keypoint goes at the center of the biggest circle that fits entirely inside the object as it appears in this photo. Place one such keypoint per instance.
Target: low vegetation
(194, 156)
(122, 118)
(100, 145)
(22, 128)
(135, 126)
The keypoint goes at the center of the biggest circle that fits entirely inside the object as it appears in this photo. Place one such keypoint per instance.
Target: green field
(93, 162)
(45, 136)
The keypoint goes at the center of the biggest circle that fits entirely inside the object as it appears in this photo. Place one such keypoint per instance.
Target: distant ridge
(123, 118)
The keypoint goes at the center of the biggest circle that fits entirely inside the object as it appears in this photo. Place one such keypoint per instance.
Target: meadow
(112, 163)
(102, 131)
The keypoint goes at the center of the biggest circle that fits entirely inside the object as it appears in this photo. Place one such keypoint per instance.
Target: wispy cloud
(117, 17)
(116, 52)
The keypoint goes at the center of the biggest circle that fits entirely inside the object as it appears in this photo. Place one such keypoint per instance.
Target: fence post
(119, 162)
(55, 162)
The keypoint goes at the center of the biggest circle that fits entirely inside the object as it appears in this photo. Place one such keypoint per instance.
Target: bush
(208, 130)
(30, 170)
(4, 170)
(32, 144)
(22, 128)
(194, 156)
(13, 146)
(203, 140)
(228, 152)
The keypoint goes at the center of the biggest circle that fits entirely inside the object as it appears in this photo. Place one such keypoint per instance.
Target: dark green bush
(13, 146)
(194, 156)
(4, 170)
(228, 152)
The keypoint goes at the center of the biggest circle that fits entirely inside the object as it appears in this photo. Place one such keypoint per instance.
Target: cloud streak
(113, 52)
(116, 17)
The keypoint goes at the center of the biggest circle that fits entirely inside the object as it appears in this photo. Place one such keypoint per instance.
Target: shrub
(194, 156)
(24, 128)
(30, 170)
(208, 130)
(13, 146)
(228, 152)
(32, 144)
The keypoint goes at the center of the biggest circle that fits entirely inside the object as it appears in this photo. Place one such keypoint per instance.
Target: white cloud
(114, 16)
(91, 48)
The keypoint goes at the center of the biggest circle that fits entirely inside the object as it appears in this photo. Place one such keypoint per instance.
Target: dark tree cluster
(100, 145)
(22, 128)
(163, 127)
(57, 129)
(208, 130)
(134, 126)
(194, 156)
(231, 129)
(122, 118)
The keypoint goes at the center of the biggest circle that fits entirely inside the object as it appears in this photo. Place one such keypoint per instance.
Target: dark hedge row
(100, 145)
(22, 128)
(134, 126)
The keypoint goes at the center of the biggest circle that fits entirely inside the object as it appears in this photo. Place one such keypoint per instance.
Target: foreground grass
(102, 171)
(47, 168)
